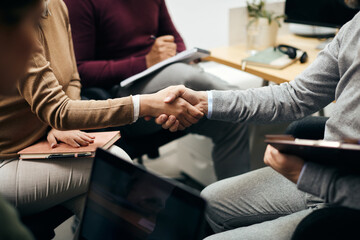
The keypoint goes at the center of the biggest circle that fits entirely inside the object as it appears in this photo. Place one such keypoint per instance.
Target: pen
(66, 155)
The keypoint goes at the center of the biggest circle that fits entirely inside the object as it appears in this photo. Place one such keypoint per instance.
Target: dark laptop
(128, 202)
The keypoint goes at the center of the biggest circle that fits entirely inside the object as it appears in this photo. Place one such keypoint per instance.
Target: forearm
(74, 89)
(309, 92)
(331, 185)
(49, 102)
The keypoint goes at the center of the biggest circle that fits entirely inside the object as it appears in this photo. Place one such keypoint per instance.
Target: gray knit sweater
(334, 75)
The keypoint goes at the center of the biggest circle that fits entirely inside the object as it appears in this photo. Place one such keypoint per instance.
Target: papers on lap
(185, 56)
(42, 150)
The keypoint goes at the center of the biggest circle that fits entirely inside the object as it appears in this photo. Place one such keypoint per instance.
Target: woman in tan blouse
(16, 41)
(49, 95)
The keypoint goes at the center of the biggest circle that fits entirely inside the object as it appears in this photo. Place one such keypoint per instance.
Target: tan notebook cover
(42, 150)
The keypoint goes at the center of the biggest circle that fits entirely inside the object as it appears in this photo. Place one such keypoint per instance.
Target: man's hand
(287, 165)
(73, 138)
(163, 48)
(197, 99)
(170, 109)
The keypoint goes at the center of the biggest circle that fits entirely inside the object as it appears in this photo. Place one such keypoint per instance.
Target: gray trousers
(231, 140)
(261, 204)
(36, 185)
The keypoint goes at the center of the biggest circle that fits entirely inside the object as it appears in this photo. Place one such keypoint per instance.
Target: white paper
(185, 56)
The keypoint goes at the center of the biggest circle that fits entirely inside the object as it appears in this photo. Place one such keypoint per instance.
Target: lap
(35, 185)
(278, 229)
(252, 198)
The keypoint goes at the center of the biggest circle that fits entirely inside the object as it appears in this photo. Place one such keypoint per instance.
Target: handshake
(175, 108)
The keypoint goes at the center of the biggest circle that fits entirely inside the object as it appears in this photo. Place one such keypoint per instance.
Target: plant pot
(261, 34)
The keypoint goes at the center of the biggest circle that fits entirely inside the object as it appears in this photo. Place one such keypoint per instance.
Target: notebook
(270, 58)
(42, 150)
(127, 202)
(186, 56)
(343, 154)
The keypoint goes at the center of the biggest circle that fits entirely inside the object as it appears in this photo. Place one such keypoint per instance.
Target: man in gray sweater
(264, 204)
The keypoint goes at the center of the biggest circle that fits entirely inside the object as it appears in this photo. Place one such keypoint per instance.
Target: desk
(232, 56)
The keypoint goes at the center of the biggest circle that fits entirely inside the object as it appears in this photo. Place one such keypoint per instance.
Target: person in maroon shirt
(116, 39)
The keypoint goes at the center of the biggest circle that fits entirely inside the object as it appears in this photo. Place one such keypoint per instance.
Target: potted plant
(263, 25)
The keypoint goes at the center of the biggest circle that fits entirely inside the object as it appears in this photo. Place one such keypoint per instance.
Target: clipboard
(186, 57)
(343, 154)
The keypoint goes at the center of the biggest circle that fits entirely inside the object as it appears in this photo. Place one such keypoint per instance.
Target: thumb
(52, 140)
(174, 93)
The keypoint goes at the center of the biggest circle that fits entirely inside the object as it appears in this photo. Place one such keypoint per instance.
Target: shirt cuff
(302, 172)
(210, 104)
(136, 103)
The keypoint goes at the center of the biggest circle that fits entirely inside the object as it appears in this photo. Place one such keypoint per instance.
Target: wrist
(145, 106)
(203, 97)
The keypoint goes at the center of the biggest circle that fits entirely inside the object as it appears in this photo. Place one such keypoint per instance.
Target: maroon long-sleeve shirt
(112, 37)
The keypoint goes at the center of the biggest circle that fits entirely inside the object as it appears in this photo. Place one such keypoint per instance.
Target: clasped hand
(175, 108)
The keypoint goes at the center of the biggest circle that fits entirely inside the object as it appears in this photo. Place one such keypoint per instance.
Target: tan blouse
(49, 94)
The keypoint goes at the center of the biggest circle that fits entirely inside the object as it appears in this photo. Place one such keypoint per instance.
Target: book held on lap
(186, 56)
(343, 154)
(42, 150)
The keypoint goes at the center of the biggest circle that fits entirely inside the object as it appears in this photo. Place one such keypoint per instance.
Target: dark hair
(13, 11)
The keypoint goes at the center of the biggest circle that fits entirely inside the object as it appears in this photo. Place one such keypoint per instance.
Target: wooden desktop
(232, 56)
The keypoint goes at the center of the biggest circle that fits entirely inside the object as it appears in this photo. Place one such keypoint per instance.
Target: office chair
(330, 223)
(308, 128)
(43, 224)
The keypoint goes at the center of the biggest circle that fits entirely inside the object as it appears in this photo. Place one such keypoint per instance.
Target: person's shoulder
(58, 12)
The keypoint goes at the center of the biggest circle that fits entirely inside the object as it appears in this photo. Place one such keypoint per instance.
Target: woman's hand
(178, 111)
(287, 165)
(74, 138)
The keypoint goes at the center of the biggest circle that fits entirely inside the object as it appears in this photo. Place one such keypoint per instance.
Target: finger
(71, 142)
(174, 93)
(170, 47)
(266, 154)
(273, 152)
(86, 138)
(89, 135)
(181, 127)
(191, 119)
(167, 38)
(170, 122)
(175, 127)
(147, 118)
(185, 122)
(161, 119)
(52, 140)
(194, 112)
(81, 141)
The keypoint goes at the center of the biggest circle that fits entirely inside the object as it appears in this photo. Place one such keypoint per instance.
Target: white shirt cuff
(136, 103)
(210, 104)
(302, 172)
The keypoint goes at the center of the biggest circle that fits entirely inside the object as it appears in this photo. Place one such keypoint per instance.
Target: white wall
(204, 23)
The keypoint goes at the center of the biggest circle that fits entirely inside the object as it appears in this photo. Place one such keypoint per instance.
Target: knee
(198, 80)
(215, 196)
